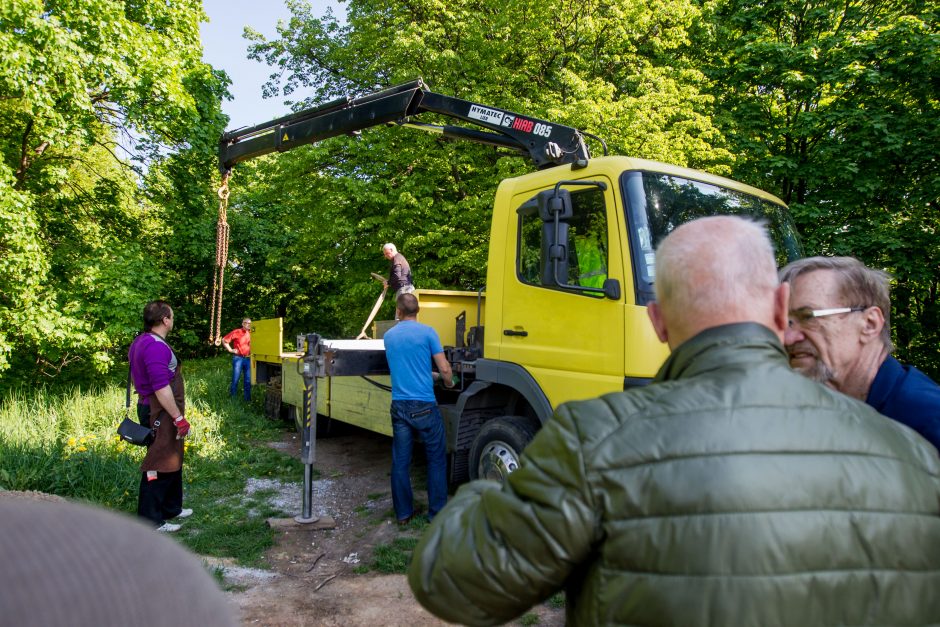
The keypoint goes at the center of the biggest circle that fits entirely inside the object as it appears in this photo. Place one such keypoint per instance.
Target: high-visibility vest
(592, 265)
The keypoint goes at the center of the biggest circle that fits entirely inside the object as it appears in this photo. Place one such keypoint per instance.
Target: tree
(90, 91)
(834, 106)
(613, 68)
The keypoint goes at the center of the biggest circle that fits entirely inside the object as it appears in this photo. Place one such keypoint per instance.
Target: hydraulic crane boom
(546, 143)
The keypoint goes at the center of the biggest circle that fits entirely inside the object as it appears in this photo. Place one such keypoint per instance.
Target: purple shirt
(153, 364)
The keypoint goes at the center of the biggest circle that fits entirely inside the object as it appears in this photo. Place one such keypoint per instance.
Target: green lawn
(64, 442)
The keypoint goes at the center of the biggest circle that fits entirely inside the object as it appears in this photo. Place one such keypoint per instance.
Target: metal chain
(221, 260)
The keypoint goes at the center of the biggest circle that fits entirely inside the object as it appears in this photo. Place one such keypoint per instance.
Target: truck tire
(293, 417)
(272, 400)
(496, 448)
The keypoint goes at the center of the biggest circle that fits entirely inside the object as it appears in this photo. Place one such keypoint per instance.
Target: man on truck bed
(731, 491)
(410, 348)
(399, 271)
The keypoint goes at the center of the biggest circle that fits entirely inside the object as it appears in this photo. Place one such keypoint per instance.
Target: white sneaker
(186, 513)
(169, 528)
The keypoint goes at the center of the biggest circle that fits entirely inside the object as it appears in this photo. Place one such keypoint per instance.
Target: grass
(393, 558)
(63, 441)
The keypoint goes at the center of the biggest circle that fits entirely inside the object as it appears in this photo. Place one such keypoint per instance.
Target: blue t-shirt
(409, 346)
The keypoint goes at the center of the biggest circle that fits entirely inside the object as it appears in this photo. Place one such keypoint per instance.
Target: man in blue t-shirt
(410, 348)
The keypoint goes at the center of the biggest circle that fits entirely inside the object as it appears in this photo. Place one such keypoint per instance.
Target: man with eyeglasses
(839, 334)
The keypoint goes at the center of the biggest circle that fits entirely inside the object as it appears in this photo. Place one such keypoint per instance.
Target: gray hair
(716, 266)
(858, 285)
(390, 247)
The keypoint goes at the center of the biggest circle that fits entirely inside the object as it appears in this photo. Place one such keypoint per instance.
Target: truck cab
(571, 269)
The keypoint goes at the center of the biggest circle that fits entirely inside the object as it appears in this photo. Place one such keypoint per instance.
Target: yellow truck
(362, 401)
(570, 271)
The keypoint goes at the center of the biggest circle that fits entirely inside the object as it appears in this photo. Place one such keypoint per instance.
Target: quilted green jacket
(732, 491)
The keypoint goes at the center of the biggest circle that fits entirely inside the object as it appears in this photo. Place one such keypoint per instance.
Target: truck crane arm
(547, 144)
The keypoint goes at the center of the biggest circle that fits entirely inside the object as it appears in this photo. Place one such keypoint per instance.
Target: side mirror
(612, 289)
(554, 252)
(555, 203)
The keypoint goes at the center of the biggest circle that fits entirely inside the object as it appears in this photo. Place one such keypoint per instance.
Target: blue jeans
(421, 421)
(241, 367)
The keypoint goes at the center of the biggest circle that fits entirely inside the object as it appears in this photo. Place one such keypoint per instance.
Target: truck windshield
(657, 203)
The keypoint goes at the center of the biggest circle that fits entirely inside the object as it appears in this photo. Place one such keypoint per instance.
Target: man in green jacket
(731, 491)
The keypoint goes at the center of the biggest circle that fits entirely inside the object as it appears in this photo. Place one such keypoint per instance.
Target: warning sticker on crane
(484, 114)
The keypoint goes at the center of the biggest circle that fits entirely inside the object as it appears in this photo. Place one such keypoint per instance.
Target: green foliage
(87, 88)
(62, 441)
(316, 218)
(834, 107)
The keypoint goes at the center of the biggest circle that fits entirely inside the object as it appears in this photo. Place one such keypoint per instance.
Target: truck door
(571, 342)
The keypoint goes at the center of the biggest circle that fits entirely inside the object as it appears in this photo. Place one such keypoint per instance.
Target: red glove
(182, 427)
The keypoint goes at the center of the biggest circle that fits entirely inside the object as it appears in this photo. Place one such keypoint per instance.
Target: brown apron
(166, 452)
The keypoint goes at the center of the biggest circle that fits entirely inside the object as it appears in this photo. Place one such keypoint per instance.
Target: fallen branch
(326, 581)
(312, 566)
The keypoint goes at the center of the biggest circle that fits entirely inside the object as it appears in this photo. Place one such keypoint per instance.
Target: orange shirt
(240, 340)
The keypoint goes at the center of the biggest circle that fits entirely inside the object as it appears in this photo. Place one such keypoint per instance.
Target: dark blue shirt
(906, 394)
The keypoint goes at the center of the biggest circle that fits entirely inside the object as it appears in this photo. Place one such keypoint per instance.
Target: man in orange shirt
(238, 343)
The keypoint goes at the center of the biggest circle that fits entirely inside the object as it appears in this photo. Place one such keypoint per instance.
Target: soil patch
(315, 576)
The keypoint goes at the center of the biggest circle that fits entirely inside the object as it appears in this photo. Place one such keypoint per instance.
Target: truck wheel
(272, 399)
(496, 449)
(293, 416)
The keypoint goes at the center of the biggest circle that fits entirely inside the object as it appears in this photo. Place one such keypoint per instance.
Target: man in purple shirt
(156, 374)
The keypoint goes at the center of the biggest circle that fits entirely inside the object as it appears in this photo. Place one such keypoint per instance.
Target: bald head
(715, 271)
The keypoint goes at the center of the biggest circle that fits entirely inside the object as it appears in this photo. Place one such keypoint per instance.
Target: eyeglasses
(809, 318)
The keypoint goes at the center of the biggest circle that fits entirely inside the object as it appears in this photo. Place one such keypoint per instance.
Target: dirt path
(311, 576)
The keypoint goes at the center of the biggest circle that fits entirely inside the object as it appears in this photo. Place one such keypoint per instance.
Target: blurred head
(246, 324)
(389, 250)
(715, 271)
(838, 322)
(407, 306)
(158, 313)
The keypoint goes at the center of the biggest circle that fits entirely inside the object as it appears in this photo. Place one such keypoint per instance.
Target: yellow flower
(82, 440)
(71, 442)
(82, 449)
